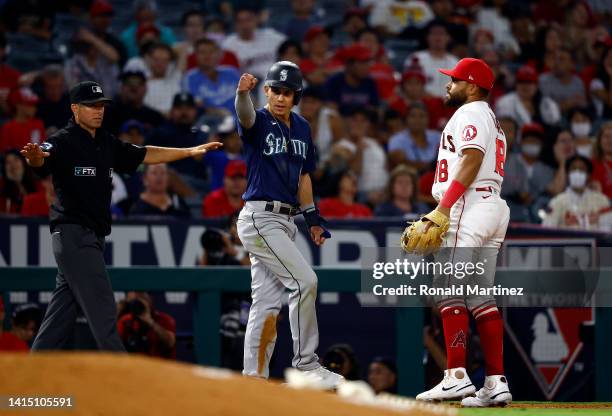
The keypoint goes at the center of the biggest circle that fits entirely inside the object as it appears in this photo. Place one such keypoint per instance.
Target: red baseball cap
(526, 73)
(356, 11)
(472, 70)
(236, 168)
(532, 129)
(356, 52)
(313, 32)
(22, 96)
(100, 8)
(414, 73)
(146, 28)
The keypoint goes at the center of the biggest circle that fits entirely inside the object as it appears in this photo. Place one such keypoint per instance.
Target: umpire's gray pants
(277, 265)
(82, 282)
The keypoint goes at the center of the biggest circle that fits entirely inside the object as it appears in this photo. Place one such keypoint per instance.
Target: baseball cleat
(455, 385)
(324, 379)
(495, 392)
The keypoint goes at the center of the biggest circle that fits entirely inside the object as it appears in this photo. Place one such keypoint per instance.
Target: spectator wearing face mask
(579, 207)
(580, 125)
(539, 175)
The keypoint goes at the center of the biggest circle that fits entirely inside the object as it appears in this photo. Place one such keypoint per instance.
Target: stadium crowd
(373, 97)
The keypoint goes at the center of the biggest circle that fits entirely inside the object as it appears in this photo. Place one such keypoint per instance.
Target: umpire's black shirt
(82, 168)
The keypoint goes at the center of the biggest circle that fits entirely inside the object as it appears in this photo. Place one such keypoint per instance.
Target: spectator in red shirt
(380, 68)
(344, 205)
(16, 182)
(9, 77)
(37, 204)
(23, 128)
(320, 61)
(145, 330)
(225, 201)
(602, 163)
(25, 322)
(192, 22)
(214, 28)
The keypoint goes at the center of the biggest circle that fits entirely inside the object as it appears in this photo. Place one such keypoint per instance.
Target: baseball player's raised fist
(247, 82)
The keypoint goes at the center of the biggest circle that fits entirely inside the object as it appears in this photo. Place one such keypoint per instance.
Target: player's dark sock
(491, 330)
(455, 323)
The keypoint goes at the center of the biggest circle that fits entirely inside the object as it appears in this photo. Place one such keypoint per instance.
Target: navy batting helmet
(286, 74)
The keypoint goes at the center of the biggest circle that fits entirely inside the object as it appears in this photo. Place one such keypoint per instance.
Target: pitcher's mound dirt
(106, 384)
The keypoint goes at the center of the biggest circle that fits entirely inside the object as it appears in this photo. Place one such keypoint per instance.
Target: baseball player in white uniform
(467, 184)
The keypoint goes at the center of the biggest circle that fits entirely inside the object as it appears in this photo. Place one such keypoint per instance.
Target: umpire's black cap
(87, 92)
(286, 74)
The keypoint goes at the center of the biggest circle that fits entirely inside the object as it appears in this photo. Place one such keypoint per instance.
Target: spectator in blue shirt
(216, 160)
(416, 145)
(213, 85)
(303, 16)
(145, 12)
(353, 88)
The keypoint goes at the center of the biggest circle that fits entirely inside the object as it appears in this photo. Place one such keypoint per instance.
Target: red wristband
(452, 194)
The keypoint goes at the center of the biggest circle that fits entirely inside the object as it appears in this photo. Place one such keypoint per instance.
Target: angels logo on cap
(469, 133)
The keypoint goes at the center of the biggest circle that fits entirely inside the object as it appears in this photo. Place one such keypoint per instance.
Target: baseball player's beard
(455, 100)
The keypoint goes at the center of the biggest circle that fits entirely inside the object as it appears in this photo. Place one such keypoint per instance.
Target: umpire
(82, 157)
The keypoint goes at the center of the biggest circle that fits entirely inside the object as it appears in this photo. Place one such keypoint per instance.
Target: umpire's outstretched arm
(170, 154)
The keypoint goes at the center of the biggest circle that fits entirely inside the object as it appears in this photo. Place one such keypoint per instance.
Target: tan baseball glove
(420, 239)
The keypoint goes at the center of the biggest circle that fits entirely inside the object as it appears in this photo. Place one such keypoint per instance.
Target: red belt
(485, 189)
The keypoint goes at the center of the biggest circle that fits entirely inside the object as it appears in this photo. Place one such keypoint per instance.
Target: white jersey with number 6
(473, 126)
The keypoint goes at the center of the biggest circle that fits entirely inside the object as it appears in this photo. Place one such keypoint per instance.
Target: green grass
(542, 409)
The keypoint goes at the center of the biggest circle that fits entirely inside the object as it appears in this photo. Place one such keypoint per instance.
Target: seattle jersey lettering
(276, 145)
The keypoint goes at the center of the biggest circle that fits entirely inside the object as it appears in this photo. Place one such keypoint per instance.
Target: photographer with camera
(223, 248)
(145, 330)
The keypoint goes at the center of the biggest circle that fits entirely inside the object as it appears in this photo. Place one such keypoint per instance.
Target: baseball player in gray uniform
(280, 156)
